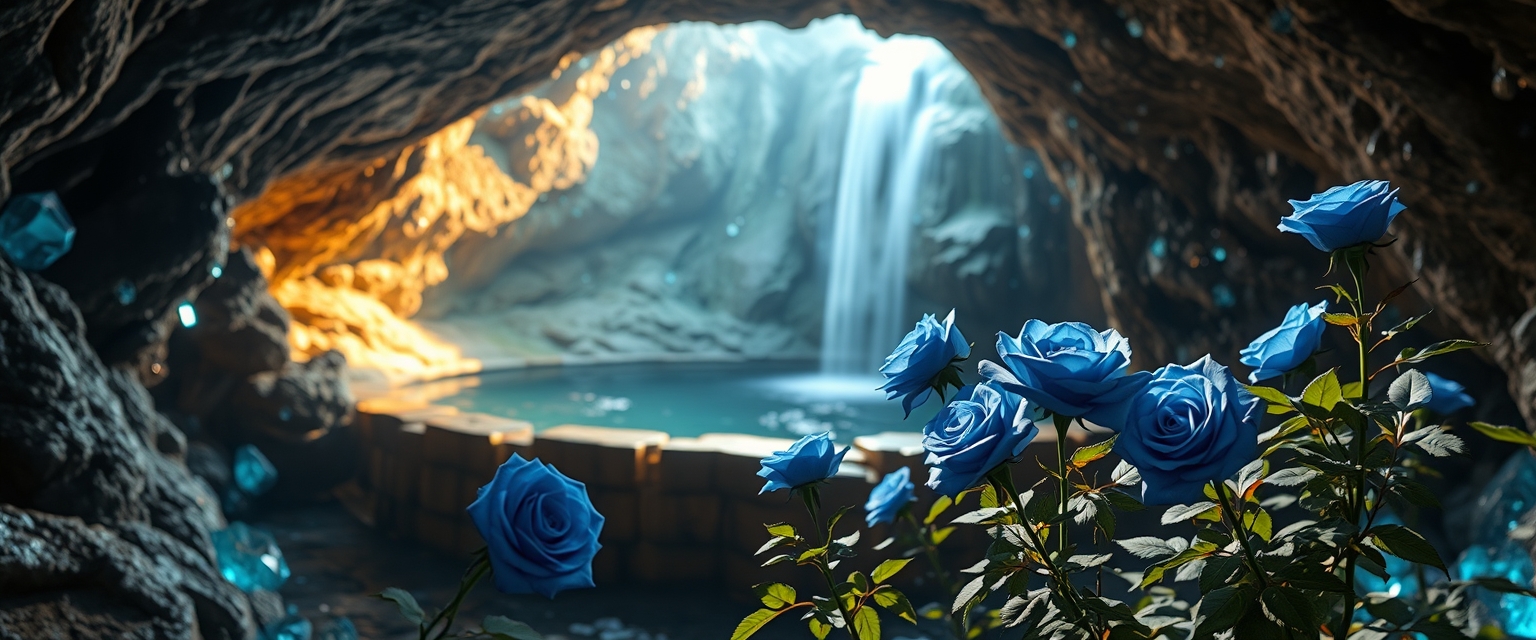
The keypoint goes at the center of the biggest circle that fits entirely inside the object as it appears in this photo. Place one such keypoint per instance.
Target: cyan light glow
(187, 314)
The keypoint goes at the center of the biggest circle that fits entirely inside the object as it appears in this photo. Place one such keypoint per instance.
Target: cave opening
(687, 197)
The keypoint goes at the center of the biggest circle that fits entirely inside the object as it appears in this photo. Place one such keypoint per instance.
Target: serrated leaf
(1323, 392)
(755, 622)
(888, 569)
(1028, 608)
(1148, 547)
(1288, 607)
(1291, 477)
(819, 628)
(1410, 390)
(1515, 435)
(775, 595)
(866, 624)
(1440, 443)
(1341, 319)
(1220, 609)
(1271, 395)
(1086, 455)
(1125, 475)
(1437, 349)
(1182, 512)
(780, 530)
(969, 591)
(406, 602)
(980, 516)
(895, 602)
(1407, 544)
(504, 628)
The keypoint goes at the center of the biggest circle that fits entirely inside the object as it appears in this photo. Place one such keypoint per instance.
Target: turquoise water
(775, 399)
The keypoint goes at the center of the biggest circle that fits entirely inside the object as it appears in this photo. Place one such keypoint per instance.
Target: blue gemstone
(126, 292)
(249, 558)
(35, 231)
(1508, 496)
(253, 472)
(336, 628)
(291, 627)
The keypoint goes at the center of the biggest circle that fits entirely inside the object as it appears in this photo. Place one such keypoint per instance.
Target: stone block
(621, 514)
(440, 489)
(654, 563)
(668, 517)
(687, 464)
(468, 439)
(601, 456)
(436, 530)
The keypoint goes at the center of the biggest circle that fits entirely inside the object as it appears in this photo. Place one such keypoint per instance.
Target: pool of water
(775, 399)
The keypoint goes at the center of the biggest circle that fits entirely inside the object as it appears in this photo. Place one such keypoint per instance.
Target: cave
(306, 274)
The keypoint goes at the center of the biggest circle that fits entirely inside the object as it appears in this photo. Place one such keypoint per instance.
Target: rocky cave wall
(1161, 119)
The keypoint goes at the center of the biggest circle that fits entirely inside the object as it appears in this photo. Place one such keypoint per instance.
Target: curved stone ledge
(678, 510)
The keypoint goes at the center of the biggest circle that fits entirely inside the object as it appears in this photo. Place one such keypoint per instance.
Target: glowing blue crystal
(1068, 39)
(291, 627)
(249, 558)
(1134, 27)
(336, 628)
(187, 315)
(126, 292)
(1508, 496)
(35, 231)
(1159, 247)
(254, 474)
(1219, 254)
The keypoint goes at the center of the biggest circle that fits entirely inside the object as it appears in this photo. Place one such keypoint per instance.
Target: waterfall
(885, 154)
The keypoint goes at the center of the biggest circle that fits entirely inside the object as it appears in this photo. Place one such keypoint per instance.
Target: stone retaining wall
(678, 510)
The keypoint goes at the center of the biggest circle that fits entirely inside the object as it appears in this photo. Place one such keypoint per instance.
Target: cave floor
(338, 562)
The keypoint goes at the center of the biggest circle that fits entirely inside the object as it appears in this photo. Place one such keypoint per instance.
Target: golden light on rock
(349, 249)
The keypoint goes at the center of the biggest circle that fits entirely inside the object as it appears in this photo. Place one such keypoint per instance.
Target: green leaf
(832, 522)
(1289, 607)
(1439, 442)
(897, 603)
(780, 530)
(981, 516)
(1085, 455)
(1148, 547)
(1438, 349)
(1410, 390)
(888, 569)
(819, 628)
(775, 595)
(504, 628)
(754, 622)
(1180, 513)
(937, 509)
(1278, 402)
(1259, 522)
(1342, 293)
(1291, 477)
(1218, 571)
(1125, 475)
(967, 592)
(1341, 319)
(1505, 434)
(783, 557)
(866, 624)
(775, 541)
(1323, 392)
(1028, 608)
(1404, 326)
(1406, 543)
(407, 603)
(1388, 608)
(1220, 609)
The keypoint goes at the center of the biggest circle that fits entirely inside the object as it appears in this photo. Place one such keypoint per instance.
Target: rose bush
(809, 460)
(982, 428)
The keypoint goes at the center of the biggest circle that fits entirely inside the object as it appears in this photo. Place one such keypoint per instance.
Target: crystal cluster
(35, 231)
(254, 474)
(249, 558)
(1493, 553)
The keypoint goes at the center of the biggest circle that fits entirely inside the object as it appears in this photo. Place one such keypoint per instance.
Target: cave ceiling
(1183, 120)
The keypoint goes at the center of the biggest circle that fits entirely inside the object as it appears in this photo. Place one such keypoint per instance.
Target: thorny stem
(1357, 499)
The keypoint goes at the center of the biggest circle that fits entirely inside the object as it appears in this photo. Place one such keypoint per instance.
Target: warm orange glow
(349, 249)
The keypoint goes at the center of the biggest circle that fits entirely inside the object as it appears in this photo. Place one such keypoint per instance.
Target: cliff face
(1163, 122)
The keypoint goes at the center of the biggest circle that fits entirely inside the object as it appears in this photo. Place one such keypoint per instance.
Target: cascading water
(886, 152)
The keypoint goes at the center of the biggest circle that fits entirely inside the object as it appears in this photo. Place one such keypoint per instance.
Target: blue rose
(1066, 368)
(888, 498)
(1187, 426)
(1448, 397)
(982, 428)
(920, 362)
(810, 459)
(1287, 346)
(539, 528)
(1344, 216)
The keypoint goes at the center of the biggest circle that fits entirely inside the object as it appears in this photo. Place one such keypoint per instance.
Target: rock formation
(1163, 121)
